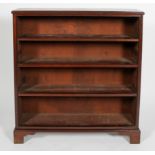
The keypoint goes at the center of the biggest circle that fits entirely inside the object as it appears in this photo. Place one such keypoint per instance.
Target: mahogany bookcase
(77, 71)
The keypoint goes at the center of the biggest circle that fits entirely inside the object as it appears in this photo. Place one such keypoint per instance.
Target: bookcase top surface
(77, 12)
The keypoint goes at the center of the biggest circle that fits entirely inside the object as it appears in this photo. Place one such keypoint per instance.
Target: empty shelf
(48, 119)
(78, 62)
(80, 37)
(78, 89)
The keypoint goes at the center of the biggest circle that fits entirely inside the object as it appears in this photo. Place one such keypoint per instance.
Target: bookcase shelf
(78, 62)
(70, 37)
(47, 119)
(79, 89)
(77, 70)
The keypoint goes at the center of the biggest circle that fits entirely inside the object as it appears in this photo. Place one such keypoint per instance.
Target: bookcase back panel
(79, 51)
(85, 76)
(70, 111)
(78, 25)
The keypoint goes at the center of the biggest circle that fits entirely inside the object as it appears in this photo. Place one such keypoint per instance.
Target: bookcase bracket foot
(134, 136)
(19, 135)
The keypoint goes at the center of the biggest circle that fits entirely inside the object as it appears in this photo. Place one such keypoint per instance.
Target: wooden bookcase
(77, 71)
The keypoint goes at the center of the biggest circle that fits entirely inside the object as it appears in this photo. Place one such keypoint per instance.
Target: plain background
(76, 141)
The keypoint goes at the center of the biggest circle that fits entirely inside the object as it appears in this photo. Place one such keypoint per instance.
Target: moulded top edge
(75, 12)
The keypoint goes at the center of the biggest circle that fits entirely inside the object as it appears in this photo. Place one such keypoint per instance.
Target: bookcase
(77, 71)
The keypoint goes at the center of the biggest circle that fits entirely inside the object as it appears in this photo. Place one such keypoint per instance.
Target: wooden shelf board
(70, 119)
(77, 90)
(78, 37)
(72, 62)
(75, 95)
(41, 65)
